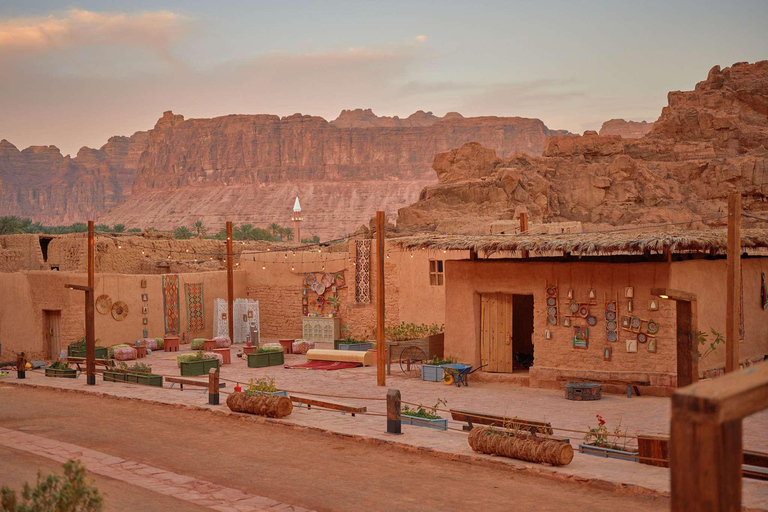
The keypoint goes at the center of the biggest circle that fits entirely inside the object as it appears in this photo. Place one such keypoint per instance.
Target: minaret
(297, 221)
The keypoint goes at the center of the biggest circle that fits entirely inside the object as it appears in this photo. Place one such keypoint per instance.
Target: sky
(73, 74)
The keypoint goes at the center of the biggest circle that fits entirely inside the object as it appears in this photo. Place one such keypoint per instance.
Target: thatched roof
(597, 243)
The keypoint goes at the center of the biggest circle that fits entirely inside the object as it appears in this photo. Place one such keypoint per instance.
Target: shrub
(262, 385)
(59, 365)
(73, 493)
(262, 350)
(197, 356)
(421, 412)
(406, 331)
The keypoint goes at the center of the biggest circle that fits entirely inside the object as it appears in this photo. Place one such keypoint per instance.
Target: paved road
(298, 467)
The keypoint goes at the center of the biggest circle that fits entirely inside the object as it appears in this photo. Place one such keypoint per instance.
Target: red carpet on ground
(325, 365)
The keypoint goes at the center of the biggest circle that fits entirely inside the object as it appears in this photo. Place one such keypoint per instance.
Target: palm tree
(275, 229)
(200, 228)
(288, 233)
(9, 225)
(118, 228)
(182, 233)
(244, 232)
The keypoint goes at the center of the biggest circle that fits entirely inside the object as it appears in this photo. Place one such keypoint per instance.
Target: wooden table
(209, 345)
(141, 352)
(171, 344)
(287, 346)
(225, 353)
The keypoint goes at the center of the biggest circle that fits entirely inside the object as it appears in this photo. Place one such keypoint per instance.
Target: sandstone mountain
(626, 129)
(706, 143)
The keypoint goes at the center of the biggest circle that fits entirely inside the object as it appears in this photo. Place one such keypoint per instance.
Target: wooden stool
(225, 353)
(171, 344)
(209, 345)
(141, 351)
(250, 350)
(287, 346)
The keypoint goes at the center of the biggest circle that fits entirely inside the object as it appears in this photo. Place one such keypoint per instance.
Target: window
(436, 272)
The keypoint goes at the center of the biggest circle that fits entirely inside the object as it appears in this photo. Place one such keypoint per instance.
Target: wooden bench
(344, 408)
(191, 382)
(471, 418)
(630, 384)
(106, 363)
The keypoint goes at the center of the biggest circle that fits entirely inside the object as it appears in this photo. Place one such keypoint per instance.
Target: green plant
(262, 385)
(139, 368)
(703, 339)
(601, 436)
(73, 493)
(187, 358)
(428, 413)
(263, 350)
(404, 331)
(334, 302)
(59, 365)
(160, 343)
(437, 361)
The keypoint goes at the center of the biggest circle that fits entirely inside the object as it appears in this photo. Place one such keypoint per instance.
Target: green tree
(243, 232)
(78, 227)
(182, 233)
(134, 230)
(275, 229)
(314, 240)
(10, 225)
(73, 493)
(102, 228)
(200, 228)
(118, 228)
(288, 233)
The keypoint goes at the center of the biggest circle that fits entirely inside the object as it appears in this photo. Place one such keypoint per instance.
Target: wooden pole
(393, 412)
(733, 284)
(90, 326)
(524, 229)
(213, 386)
(381, 376)
(230, 285)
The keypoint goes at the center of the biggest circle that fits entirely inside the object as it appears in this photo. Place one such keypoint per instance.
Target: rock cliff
(626, 129)
(706, 143)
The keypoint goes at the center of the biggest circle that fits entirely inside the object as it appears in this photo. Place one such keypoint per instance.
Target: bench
(106, 363)
(337, 406)
(630, 384)
(191, 382)
(493, 420)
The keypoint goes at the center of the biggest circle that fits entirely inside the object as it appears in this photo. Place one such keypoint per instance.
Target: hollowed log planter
(609, 453)
(272, 406)
(134, 378)
(65, 374)
(520, 446)
(264, 359)
(101, 352)
(437, 423)
(199, 367)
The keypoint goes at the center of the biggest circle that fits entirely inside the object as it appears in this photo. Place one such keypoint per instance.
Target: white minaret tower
(297, 218)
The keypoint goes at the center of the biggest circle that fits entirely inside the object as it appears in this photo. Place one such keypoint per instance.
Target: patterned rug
(362, 271)
(171, 304)
(195, 307)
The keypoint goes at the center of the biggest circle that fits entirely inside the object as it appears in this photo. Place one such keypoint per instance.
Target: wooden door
(496, 332)
(687, 361)
(52, 321)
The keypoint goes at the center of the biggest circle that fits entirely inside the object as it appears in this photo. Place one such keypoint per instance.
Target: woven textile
(195, 307)
(362, 271)
(171, 305)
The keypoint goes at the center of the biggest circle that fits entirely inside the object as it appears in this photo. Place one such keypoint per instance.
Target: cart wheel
(411, 359)
(448, 379)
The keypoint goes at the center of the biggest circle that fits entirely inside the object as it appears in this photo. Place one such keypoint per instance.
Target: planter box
(432, 372)
(360, 347)
(101, 352)
(134, 378)
(274, 393)
(193, 368)
(439, 423)
(264, 359)
(608, 452)
(66, 374)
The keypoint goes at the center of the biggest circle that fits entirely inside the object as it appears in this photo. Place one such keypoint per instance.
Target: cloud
(77, 28)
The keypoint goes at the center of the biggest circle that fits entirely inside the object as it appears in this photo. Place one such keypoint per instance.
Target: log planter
(199, 367)
(65, 374)
(264, 359)
(101, 352)
(145, 379)
(272, 406)
(520, 445)
(609, 453)
(437, 423)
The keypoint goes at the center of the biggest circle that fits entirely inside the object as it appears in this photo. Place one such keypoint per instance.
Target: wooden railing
(705, 445)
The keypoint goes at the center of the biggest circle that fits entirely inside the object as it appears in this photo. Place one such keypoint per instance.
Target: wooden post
(230, 285)
(393, 412)
(381, 376)
(733, 282)
(21, 366)
(213, 386)
(523, 230)
(90, 326)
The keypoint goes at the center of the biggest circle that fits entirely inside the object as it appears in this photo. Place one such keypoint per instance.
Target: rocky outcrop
(626, 129)
(706, 143)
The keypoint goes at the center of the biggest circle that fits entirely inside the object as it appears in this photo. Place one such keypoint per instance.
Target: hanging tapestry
(171, 304)
(362, 271)
(763, 292)
(195, 307)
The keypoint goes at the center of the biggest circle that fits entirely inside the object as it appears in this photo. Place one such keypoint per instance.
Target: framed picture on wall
(629, 292)
(607, 353)
(651, 345)
(653, 305)
(143, 283)
(144, 321)
(144, 310)
(625, 322)
(144, 297)
(250, 314)
(145, 333)
(632, 345)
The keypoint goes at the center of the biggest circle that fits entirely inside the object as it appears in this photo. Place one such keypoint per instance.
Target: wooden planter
(201, 367)
(608, 452)
(134, 378)
(65, 374)
(101, 352)
(360, 347)
(264, 359)
(432, 372)
(439, 423)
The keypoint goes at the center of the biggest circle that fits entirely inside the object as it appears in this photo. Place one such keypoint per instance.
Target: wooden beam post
(213, 386)
(523, 230)
(733, 284)
(381, 375)
(230, 285)
(90, 325)
(393, 412)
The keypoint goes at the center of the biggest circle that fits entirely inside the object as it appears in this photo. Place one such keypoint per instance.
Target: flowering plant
(601, 436)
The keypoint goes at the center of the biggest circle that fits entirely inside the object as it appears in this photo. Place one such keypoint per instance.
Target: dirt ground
(299, 467)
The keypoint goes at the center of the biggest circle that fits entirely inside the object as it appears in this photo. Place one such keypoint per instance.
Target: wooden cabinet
(321, 329)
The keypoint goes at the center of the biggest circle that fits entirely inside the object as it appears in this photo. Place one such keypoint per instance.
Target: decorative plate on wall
(551, 291)
(591, 321)
(119, 310)
(551, 310)
(103, 304)
(573, 307)
(310, 279)
(641, 338)
(635, 322)
(551, 301)
(611, 326)
(610, 306)
(552, 320)
(652, 326)
(610, 315)
(611, 336)
(583, 311)
(327, 280)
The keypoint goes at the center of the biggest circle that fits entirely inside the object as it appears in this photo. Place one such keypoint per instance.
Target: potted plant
(350, 343)
(433, 370)
(422, 417)
(264, 386)
(429, 338)
(196, 364)
(59, 369)
(266, 356)
(598, 442)
(77, 349)
(138, 373)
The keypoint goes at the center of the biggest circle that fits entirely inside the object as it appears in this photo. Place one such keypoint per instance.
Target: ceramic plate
(551, 291)
(611, 325)
(551, 301)
(610, 335)
(611, 306)
(551, 311)
(642, 338)
(652, 327)
(591, 320)
(635, 322)
(310, 279)
(552, 320)
(610, 315)
(573, 307)
(583, 311)
(327, 280)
